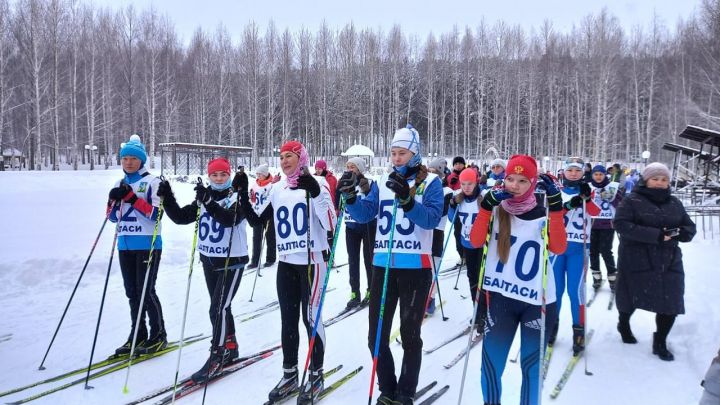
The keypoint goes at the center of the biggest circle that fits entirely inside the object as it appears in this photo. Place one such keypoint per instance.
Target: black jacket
(224, 216)
(651, 274)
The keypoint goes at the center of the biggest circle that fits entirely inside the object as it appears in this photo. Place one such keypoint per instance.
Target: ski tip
(125, 390)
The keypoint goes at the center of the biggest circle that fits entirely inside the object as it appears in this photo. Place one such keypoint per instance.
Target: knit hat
(292, 146)
(498, 162)
(469, 174)
(359, 163)
(303, 160)
(408, 138)
(134, 147)
(262, 170)
(321, 164)
(438, 164)
(655, 169)
(524, 165)
(219, 165)
(458, 159)
(599, 168)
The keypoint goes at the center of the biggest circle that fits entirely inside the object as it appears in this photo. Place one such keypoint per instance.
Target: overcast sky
(418, 17)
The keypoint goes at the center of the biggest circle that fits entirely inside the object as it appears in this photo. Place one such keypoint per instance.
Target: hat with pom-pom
(134, 147)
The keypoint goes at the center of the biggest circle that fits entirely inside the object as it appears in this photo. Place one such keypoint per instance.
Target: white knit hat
(407, 138)
(359, 163)
(262, 170)
(498, 162)
(438, 164)
(655, 169)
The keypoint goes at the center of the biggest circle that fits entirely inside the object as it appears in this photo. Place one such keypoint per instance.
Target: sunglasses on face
(572, 160)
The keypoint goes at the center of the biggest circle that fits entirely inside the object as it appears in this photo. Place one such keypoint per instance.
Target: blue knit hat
(599, 168)
(134, 147)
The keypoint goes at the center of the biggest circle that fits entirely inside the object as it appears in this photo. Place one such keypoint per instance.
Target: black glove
(346, 185)
(456, 200)
(164, 190)
(202, 194)
(454, 180)
(575, 202)
(494, 198)
(308, 183)
(399, 186)
(120, 192)
(364, 185)
(240, 182)
(552, 192)
(585, 191)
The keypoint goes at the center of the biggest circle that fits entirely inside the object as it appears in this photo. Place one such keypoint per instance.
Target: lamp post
(646, 155)
(90, 149)
(546, 159)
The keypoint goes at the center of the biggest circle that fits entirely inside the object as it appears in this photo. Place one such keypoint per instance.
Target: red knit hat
(469, 174)
(219, 165)
(292, 146)
(522, 164)
(321, 164)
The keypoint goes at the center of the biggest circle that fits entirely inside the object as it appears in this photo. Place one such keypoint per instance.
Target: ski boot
(125, 348)
(231, 348)
(155, 344)
(354, 300)
(612, 279)
(269, 264)
(578, 339)
(366, 301)
(219, 357)
(597, 279)
(287, 386)
(660, 348)
(386, 399)
(251, 266)
(310, 392)
(553, 334)
(431, 308)
(402, 399)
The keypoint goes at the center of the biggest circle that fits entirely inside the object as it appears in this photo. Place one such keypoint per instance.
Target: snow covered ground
(50, 219)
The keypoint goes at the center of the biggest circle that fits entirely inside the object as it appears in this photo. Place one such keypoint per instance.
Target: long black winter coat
(651, 275)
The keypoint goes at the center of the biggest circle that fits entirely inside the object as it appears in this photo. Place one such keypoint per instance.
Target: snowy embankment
(50, 220)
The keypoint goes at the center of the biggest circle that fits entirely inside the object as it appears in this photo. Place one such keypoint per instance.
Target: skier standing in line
(513, 275)
(419, 198)
(219, 213)
(134, 207)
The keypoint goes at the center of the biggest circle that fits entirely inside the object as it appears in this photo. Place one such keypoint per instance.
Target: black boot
(626, 333)
(231, 348)
(597, 279)
(660, 348)
(310, 392)
(212, 367)
(553, 334)
(269, 264)
(156, 343)
(288, 384)
(578, 339)
(612, 279)
(125, 348)
(354, 300)
(251, 266)
(402, 399)
(386, 399)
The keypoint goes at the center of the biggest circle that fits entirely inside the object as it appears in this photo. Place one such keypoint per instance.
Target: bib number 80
(287, 223)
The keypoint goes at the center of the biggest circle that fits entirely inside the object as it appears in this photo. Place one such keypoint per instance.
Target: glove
(202, 194)
(456, 200)
(399, 186)
(454, 181)
(308, 183)
(364, 185)
(276, 178)
(240, 182)
(585, 191)
(346, 185)
(120, 192)
(494, 198)
(164, 190)
(574, 202)
(554, 198)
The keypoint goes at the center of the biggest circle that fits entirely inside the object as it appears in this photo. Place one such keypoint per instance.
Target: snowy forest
(73, 74)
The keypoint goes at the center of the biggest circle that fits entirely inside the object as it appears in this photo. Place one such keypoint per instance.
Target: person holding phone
(651, 223)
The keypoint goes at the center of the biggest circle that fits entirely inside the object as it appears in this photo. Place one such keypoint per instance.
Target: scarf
(522, 203)
(303, 162)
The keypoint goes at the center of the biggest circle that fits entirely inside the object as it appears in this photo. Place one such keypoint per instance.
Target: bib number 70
(405, 227)
(522, 253)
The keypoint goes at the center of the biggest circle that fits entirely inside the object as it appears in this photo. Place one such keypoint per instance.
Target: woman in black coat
(651, 223)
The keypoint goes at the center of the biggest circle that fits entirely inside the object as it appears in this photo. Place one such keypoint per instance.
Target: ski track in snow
(50, 220)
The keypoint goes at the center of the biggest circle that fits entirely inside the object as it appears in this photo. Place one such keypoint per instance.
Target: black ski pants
(222, 293)
(133, 266)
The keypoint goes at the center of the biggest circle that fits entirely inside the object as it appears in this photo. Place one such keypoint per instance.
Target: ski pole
(72, 295)
(583, 285)
(187, 295)
(257, 272)
(331, 261)
(476, 304)
(141, 309)
(386, 277)
(222, 291)
(437, 270)
(102, 300)
(543, 306)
